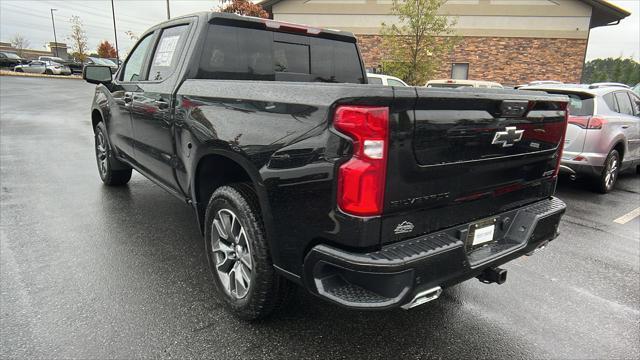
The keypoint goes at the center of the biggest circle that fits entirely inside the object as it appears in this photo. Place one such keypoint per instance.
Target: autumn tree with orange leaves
(244, 7)
(106, 50)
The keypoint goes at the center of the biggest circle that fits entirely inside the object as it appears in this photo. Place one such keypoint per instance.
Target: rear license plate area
(482, 233)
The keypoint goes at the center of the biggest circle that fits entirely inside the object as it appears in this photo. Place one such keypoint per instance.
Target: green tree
(419, 41)
(621, 70)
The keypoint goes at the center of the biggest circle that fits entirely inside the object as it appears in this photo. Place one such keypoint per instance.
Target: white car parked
(43, 67)
(385, 80)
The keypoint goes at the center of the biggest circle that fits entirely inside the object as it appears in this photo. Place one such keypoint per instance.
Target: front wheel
(239, 256)
(48, 72)
(104, 158)
(609, 174)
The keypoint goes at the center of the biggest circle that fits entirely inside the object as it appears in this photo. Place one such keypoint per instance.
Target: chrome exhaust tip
(423, 297)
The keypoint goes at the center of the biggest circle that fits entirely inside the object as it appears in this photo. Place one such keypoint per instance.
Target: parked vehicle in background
(370, 197)
(115, 61)
(9, 59)
(385, 80)
(103, 62)
(636, 89)
(75, 66)
(51, 58)
(603, 135)
(43, 67)
(451, 83)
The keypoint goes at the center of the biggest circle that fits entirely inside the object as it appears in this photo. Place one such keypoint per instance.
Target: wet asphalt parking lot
(88, 271)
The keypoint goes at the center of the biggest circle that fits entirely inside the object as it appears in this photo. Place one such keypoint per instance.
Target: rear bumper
(586, 163)
(392, 276)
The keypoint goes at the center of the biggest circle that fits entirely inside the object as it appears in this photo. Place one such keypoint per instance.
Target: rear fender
(248, 167)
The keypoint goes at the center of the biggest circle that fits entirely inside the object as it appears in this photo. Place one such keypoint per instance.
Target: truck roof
(256, 22)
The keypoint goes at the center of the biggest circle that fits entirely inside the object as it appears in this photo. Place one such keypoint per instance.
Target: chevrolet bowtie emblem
(508, 137)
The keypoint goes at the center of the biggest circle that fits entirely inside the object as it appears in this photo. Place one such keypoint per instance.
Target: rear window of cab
(237, 53)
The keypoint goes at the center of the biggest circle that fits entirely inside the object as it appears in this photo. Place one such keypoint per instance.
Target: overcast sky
(32, 18)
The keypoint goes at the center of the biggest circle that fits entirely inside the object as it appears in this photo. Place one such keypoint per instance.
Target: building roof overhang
(604, 13)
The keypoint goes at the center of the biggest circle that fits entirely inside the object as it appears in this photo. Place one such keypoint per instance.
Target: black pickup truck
(371, 197)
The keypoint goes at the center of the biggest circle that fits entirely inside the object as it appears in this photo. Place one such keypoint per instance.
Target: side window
(133, 67)
(610, 100)
(167, 53)
(375, 80)
(635, 103)
(392, 82)
(624, 103)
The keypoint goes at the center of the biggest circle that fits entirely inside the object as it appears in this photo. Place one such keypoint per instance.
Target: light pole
(168, 12)
(115, 33)
(55, 39)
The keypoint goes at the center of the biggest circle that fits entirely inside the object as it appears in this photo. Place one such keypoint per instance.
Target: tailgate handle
(513, 108)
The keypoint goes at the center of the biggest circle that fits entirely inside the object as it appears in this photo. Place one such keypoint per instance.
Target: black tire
(266, 291)
(609, 175)
(112, 172)
(18, 70)
(48, 72)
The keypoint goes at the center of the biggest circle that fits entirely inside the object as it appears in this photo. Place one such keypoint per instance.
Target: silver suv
(603, 135)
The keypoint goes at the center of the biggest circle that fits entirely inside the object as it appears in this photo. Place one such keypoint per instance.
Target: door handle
(625, 126)
(162, 104)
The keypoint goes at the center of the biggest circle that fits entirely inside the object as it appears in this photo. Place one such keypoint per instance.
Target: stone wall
(509, 61)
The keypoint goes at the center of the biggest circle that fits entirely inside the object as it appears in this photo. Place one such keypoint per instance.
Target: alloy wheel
(231, 253)
(101, 153)
(611, 172)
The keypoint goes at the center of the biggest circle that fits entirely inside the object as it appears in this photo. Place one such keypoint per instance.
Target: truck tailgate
(463, 154)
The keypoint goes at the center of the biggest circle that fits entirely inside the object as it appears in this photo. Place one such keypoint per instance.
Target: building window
(460, 71)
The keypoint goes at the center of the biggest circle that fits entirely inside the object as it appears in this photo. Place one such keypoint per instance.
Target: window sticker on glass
(167, 47)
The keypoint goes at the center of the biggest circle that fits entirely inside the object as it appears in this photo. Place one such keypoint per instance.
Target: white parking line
(628, 216)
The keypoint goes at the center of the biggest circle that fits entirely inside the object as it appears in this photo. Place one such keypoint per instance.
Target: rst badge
(508, 137)
(403, 228)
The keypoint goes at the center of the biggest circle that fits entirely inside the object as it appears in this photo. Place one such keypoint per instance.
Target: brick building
(508, 41)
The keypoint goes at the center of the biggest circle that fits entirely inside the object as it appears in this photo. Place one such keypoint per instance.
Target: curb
(17, 74)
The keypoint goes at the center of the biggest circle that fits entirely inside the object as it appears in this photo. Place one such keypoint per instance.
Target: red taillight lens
(596, 123)
(580, 121)
(587, 122)
(361, 180)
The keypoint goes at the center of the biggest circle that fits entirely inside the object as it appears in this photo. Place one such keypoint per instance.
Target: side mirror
(97, 74)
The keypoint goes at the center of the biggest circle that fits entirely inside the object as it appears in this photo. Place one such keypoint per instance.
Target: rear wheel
(609, 174)
(112, 172)
(239, 256)
(18, 70)
(48, 72)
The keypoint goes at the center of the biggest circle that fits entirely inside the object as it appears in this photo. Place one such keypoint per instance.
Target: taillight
(587, 122)
(561, 144)
(361, 180)
(596, 123)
